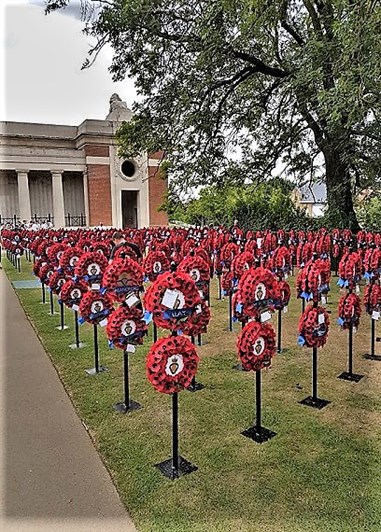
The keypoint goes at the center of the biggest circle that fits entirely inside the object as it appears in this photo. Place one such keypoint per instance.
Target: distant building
(312, 197)
(73, 175)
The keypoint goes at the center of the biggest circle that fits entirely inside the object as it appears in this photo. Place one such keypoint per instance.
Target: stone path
(53, 478)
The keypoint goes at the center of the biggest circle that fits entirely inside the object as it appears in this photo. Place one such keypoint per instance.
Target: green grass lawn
(320, 473)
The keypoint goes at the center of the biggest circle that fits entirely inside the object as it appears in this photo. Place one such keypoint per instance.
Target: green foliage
(296, 82)
(266, 205)
(369, 213)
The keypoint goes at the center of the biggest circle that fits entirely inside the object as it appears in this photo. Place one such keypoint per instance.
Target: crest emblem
(195, 274)
(259, 346)
(174, 365)
(93, 269)
(96, 307)
(128, 327)
(260, 292)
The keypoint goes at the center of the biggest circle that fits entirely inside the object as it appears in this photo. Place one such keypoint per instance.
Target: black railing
(41, 219)
(75, 220)
(10, 220)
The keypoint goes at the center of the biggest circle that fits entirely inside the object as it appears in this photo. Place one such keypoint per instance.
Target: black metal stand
(279, 348)
(97, 369)
(62, 326)
(230, 313)
(219, 287)
(176, 466)
(303, 304)
(257, 432)
(154, 333)
(349, 375)
(372, 355)
(313, 400)
(195, 386)
(43, 294)
(77, 344)
(18, 264)
(199, 340)
(128, 403)
(51, 304)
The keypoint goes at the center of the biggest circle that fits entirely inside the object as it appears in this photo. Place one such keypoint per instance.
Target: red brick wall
(99, 187)
(157, 188)
(96, 151)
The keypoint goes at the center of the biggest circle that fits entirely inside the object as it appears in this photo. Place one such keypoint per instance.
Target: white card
(95, 286)
(75, 307)
(132, 300)
(323, 300)
(201, 294)
(265, 316)
(375, 315)
(285, 310)
(198, 309)
(321, 319)
(173, 299)
(357, 289)
(130, 348)
(286, 276)
(103, 323)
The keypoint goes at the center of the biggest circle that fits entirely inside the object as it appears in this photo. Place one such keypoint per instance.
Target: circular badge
(73, 261)
(93, 269)
(97, 306)
(128, 327)
(174, 365)
(75, 293)
(260, 292)
(156, 267)
(195, 274)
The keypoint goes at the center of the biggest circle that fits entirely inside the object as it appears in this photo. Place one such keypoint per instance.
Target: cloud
(73, 9)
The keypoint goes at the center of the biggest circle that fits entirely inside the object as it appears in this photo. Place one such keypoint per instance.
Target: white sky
(40, 68)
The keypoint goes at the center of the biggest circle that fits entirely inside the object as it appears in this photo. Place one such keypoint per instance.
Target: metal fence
(75, 220)
(71, 220)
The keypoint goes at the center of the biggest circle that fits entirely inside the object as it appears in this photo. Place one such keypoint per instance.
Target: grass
(321, 472)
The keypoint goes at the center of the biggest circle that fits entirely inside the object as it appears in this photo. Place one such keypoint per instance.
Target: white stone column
(24, 198)
(58, 199)
(86, 197)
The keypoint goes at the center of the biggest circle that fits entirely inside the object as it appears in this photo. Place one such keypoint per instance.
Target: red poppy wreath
(256, 346)
(171, 364)
(90, 267)
(45, 272)
(95, 307)
(123, 280)
(54, 253)
(349, 311)
(284, 295)
(372, 298)
(172, 299)
(155, 263)
(126, 326)
(69, 258)
(198, 322)
(56, 281)
(313, 327)
(259, 291)
(72, 293)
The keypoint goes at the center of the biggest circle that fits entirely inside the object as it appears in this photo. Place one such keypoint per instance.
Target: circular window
(128, 168)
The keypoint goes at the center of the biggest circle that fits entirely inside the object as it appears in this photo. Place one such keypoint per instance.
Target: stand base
(259, 435)
(54, 313)
(239, 367)
(122, 408)
(282, 350)
(372, 357)
(93, 371)
(197, 386)
(168, 471)
(44, 302)
(353, 377)
(315, 403)
(79, 346)
(59, 328)
(378, 339)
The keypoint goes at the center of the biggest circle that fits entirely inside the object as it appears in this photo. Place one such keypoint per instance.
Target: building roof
(313, 193)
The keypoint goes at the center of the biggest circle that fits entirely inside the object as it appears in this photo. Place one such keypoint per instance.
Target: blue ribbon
(147, 317)
(340, 321)
(81, 320)
(301, 340)
(177, 313)
(239, 307)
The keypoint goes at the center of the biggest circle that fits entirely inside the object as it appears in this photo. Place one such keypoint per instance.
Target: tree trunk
(341, 213)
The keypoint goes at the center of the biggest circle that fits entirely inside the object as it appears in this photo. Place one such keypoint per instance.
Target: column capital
(56, 172)
(21, 171)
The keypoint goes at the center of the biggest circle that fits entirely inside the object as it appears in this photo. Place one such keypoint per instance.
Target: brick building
(73, 175)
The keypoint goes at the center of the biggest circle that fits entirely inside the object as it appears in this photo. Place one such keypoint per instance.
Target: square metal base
(197, 386)
(259, 435)
(353, 377)
(79, 346)
(168, 471)
(372, 357)
(93, 371)
(59, 328)
(239, 367)
(378, 339)
(122, 409)
(315, 403)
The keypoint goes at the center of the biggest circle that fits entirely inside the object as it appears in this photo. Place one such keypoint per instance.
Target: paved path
(53, 478)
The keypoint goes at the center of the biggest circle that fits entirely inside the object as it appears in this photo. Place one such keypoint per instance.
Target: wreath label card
(132, 300)
(321, 319)
(95, 286)
(265, 316)
(173, 299)
(375, 315)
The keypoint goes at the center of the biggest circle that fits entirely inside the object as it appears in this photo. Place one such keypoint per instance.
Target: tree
(295, 82)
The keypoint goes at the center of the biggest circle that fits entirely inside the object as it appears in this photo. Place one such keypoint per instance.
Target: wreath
(90, 267)
(155, 263)
(102, 247)
(172, 299)
(228, 252)
(228, 283)
(126, 326)
(123, 280)
(125, 251)
(237, 307)
(241, 263)
(198, 322)
(349, 270)
(281, 260)
(45, 272)
(313, 327)
(199, 270)
(284, 295)
(171, 364)
(349, 311)
(38, 265)
(372, 298)
(42, 247)
(72, 293)
(372, 262)
(256, 346)
(259, 291)
(69, 258)
(54, 253)
(56, 280)
(95, 307)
